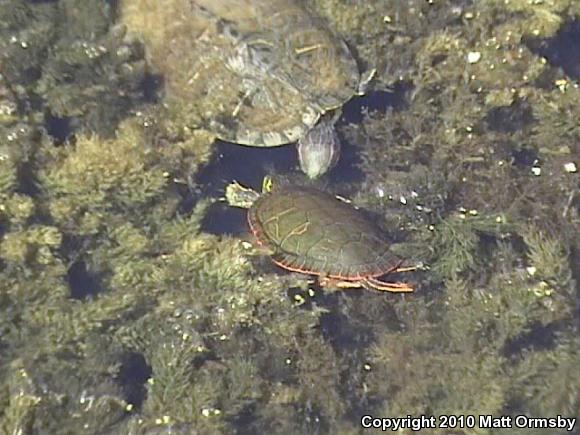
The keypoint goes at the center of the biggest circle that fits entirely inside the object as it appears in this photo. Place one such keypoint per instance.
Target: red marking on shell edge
(255, 232)
(332, 276)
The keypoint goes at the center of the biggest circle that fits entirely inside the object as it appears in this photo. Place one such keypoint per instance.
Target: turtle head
(239, 196)
(319, 149)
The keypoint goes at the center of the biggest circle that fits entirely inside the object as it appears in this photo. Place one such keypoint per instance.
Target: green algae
(491, 328)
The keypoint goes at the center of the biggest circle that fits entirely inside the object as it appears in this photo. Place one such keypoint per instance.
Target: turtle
(309, 231)
(254, 72)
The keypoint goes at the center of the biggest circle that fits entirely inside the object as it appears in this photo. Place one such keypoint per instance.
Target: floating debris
(473, 56)
(570, 167)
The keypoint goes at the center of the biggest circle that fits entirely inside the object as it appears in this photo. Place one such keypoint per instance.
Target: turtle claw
(365, 80)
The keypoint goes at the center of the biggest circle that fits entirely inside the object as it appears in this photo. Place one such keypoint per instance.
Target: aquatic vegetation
(547, 257)
(545, 375)
(66, 57)
(452, 167)
(83, 185)
(8, 176)
(26, 36)
(121, 313)
(81, 72)
(479, 384)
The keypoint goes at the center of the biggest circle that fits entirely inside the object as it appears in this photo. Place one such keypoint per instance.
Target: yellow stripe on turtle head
(267, 184)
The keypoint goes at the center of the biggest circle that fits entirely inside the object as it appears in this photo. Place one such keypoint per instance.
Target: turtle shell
(313, 232)
(255, 72)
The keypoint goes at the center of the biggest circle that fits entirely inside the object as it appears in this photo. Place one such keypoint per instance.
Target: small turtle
(256, 72)
(311, 232)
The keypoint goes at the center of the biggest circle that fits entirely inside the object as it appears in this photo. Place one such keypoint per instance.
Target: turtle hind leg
(392, 287)
(327, 282)
(367, 283)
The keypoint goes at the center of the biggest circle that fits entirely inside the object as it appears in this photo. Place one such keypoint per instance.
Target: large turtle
(256, 72)
(309, 231)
